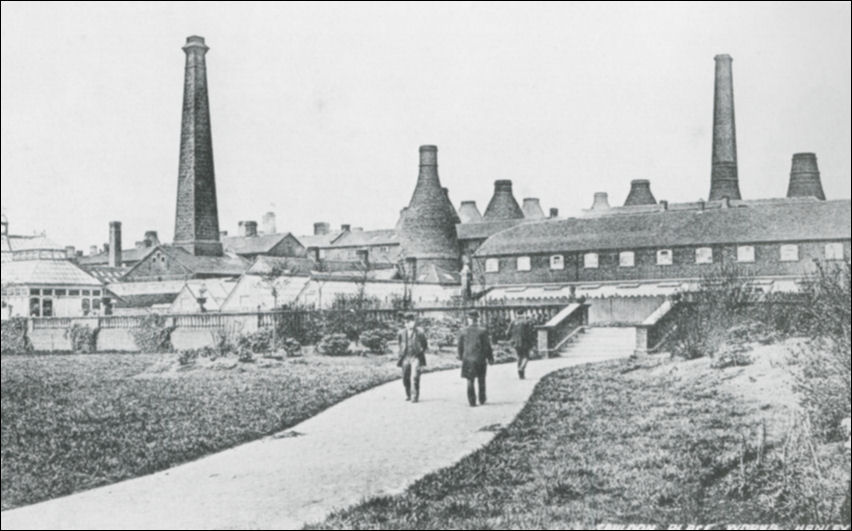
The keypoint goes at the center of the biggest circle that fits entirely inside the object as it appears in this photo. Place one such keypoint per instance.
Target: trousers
(471, 391)
(411, 377)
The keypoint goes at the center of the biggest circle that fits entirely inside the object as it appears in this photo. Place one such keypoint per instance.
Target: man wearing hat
(412, 356)
(474, 351)
(522, 336)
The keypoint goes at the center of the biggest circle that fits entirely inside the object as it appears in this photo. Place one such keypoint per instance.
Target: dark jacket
(474, 351)
(412, 346)
(522, 333)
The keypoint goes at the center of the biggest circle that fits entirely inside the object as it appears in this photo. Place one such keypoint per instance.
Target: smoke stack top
(640, 193)
(321, 227)
(724, 181)
(503, 204)
(601, 201)
(532, 208)
(804, 177)
(114, 256)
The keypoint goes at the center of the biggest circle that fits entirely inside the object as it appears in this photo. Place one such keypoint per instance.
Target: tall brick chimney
(640, 193)
(469, 213)
(248, 229)
(428, 232)
(151, 239)
(114, 257)
(503, 204)
(804, 177)
(724, 181)
(554, 212)
(197, 219)
(532, 208)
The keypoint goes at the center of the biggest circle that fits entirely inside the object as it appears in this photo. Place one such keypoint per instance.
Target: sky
(318, 111)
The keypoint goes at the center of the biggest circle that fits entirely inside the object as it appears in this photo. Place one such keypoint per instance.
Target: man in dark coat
(412, 357)
(522, 336)
(474, 351)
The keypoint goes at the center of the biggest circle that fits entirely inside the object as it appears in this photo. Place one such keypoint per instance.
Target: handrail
(562, 327)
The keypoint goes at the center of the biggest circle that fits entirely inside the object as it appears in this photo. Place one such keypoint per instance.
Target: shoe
(407, 398)
(473, 405)
(414, 400)
(521, 374)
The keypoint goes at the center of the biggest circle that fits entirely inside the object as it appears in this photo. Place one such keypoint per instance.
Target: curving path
(371, 444)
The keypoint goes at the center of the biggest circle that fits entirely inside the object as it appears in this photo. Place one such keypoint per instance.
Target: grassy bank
(657, 443)
(72, 422)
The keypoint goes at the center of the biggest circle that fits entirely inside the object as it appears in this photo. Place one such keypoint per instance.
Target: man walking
(412, 357)
(474, 351)
(522, 336)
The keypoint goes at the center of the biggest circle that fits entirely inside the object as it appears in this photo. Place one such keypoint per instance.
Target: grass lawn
(657, 443)
(72, 422)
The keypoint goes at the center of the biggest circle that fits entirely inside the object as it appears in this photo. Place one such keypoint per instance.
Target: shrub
(83, 338)
(14, 336)
(374, 340)
(442, 332)
(292, 347)
(824, 365)
(153, 334)
(334, 345)
(735, 355)
(498, 328)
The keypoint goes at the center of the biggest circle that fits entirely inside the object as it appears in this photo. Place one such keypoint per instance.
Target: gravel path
(371, 444)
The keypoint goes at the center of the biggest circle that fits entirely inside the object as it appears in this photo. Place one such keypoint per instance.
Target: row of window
(23, 292)
(703, 255)
(43, 307)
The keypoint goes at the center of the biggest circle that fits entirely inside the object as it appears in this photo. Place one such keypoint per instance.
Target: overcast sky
(318, 110)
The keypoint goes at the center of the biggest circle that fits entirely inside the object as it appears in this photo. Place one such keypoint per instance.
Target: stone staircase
(602, 343)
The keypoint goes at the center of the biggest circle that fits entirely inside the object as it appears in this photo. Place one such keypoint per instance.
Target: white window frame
(788, 252)
(591, 261)
(623, 261)
(523, 263)
(557, 262)
(668, 253)
(704, 255)
(745, 253)
(492, 265)
(834, 251)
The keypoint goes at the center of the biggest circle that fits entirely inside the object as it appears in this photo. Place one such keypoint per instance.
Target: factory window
(704, 255)
(96, 293)
(745, 253)
(35, 307)
(47, 292)
(74, 293)
(557, 261)
(84, 305)
(664, 257)
(626, 259)
(790, 253)
(96, 304)
(85, 293)
(492, 265)
(61, 292)
(46, 308)
(590, 260)
(523, 263)
(834, 251)
(34, 291)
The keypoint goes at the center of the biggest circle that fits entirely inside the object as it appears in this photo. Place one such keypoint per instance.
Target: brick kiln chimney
(469, 213)
(269, 223)
(724, 181)
(114, 257)
(151, 239)
(197, 219)
(640, 193)
(601, 201)
(804, 177)
(428, 230)
(248, 229)
(554, 212)
(503, 204)
(532, 208)
(321, 228)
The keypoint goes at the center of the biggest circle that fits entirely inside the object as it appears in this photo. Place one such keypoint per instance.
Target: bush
(735, 355)
(14, 336)
(83, 338)
(824, 366)
(498, 328)
(334, 345)
(442, 332)
(374, 340)
(153, 334)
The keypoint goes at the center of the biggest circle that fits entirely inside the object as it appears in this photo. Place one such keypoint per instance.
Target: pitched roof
(319, 240)
(790, 221)
(363, 238)
(262, 243)
(226, 265)
(484, 229)
(105, 274)
(133, 254)
(52, 272)
(14, 242)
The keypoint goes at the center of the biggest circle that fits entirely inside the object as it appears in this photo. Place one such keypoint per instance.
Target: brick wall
(767, 262)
